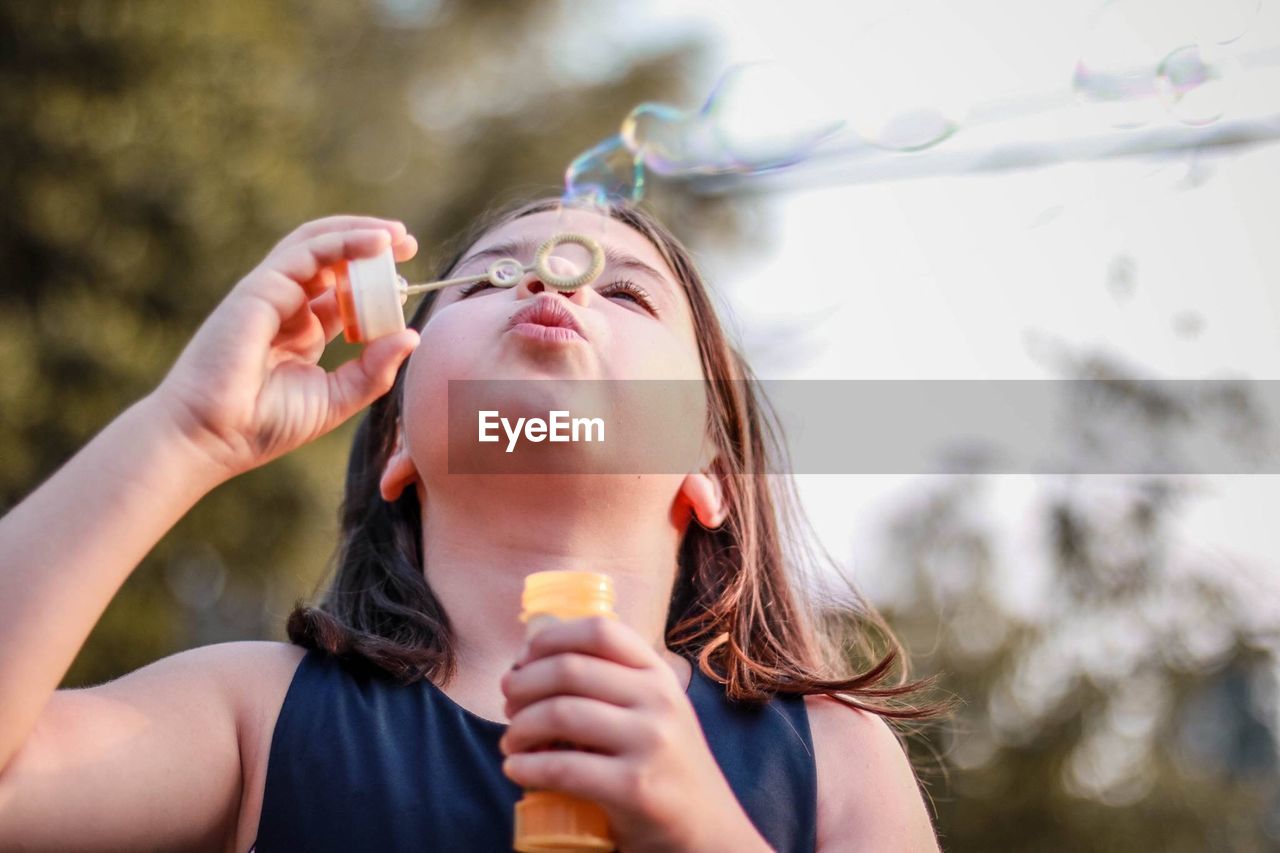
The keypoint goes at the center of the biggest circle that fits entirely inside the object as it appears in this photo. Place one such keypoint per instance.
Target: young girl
(407, 712)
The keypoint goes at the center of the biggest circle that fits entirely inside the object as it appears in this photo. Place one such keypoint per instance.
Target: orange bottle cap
(567, 594)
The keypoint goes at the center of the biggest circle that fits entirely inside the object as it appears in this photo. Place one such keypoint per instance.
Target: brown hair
(735, 605)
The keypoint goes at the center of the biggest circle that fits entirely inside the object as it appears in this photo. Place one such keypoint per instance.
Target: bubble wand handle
(500, 272)
(507, 272)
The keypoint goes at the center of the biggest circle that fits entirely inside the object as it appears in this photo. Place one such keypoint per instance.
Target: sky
(1169, 263)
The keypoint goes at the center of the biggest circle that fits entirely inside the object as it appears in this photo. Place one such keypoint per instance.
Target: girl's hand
(247, 388)
(640, 750)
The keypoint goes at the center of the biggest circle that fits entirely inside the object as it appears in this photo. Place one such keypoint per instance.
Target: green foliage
(1120, 696)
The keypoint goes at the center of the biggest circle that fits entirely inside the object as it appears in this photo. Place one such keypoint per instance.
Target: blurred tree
(1121, 695)
(153, 152)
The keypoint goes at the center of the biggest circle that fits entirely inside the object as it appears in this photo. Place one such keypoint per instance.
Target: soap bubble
(1142, 57)
(1221, 21)
(603, 174)
(1197, 85)
(909, 84)
(671, 141)
(1116, 72)
(1119, 96)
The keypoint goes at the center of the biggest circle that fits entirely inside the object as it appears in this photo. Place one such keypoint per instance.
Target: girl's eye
(622, 287)
(469, 289)
(631, 290)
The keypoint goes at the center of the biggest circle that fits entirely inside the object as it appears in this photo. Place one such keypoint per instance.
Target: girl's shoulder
(172, 754)
(257, 675)
(248, 656)
(867, 790)
(254, 674)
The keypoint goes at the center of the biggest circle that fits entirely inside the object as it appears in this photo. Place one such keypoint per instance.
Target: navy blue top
(361, 762)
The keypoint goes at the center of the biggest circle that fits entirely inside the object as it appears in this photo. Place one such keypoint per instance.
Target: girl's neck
(476, 563)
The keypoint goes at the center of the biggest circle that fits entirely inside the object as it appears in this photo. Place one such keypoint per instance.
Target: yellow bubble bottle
(552, 821)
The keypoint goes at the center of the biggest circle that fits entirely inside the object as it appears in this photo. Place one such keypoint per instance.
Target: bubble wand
(371, 294)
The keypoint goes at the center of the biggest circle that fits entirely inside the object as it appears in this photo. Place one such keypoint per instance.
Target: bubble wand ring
(560, 282)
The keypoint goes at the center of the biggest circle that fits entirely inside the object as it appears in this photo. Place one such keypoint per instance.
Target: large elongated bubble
(759, 117)
(898, 87)
(670, 141)
(925, 73)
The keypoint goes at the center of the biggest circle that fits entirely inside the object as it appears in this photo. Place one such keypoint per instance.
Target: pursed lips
(546, 310)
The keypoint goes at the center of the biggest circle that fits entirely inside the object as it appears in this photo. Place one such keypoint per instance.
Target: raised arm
(66, 549)
(246, 390)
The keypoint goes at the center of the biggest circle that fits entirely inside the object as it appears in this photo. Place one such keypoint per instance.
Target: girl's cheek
(657, 356)
(426, 394)
(444, 348)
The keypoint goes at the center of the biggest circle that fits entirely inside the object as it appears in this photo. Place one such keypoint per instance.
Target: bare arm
(246, 390)
(150, 760)
(868, 796)
(67, 549)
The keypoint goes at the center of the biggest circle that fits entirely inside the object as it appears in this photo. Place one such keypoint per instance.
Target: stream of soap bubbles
(1153, 76)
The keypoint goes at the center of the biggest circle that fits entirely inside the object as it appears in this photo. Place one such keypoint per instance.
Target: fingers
(570, 674)
(344, 222)
(301, 266)
(595, 635)
(310, 328)
(362, 380)
(585, 723)
(312, 325)
(325, 307)
(302, 262)
(300, 333)
(405, 248)
(402, 249)
(291, 276)
(324, 280)
(584, 774)
(403, 244)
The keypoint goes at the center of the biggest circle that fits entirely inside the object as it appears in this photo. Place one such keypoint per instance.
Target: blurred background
(1113, 639)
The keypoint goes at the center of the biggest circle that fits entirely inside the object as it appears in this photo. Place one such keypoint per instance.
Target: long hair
(737, 606)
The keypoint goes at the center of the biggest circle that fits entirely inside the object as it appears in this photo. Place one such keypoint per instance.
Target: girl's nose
(563, 266)
(558, 265)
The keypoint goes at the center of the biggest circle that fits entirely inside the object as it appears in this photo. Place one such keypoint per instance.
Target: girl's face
(634, 320)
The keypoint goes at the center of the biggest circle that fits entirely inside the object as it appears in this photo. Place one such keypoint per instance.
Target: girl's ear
(399, 472)
(705, 495)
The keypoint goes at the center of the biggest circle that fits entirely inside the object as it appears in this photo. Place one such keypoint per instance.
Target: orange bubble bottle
(552, 821)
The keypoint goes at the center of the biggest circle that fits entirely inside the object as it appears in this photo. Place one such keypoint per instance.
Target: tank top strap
(766, 754)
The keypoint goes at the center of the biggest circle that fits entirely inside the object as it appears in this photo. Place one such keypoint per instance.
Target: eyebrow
(526, 248)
